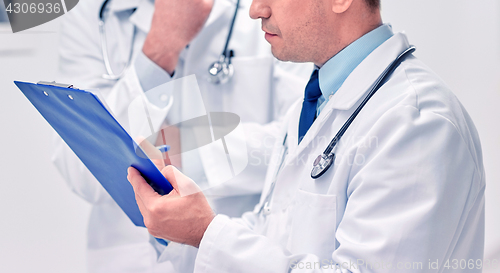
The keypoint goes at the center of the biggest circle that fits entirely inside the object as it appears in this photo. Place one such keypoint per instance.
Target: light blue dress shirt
(336, 70)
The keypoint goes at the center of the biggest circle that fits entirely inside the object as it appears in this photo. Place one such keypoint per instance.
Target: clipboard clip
(63, 85)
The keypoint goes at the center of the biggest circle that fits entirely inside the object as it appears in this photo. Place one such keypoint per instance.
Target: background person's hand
(181, 216)
(175, 24)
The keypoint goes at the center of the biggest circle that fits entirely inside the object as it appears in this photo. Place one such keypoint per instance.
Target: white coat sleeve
(81, 64)
(418, 191)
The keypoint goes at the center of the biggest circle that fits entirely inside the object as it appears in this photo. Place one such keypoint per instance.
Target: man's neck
(349, 35)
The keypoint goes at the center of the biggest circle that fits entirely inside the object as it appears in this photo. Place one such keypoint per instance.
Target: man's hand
(175, 24)
(181, 216)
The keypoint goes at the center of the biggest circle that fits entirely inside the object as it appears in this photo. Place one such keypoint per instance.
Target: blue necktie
(311, 97)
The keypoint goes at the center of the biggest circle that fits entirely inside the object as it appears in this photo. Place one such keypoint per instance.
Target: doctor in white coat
(165, 38)
(406, 191)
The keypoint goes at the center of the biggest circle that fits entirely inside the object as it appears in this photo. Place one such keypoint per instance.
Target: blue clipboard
(100, 142)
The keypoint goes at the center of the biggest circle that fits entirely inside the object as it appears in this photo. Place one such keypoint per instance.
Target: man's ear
(340, 6)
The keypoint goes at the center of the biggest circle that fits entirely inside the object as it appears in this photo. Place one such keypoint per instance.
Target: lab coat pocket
(313, 224)
(251, 86)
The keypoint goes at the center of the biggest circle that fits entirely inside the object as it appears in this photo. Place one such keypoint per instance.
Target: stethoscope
(222, 70)
(104, 47)
(219, 71)
(324, 161)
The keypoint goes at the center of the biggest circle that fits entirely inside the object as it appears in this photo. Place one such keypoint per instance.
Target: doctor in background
(406, 191)
(163, 41)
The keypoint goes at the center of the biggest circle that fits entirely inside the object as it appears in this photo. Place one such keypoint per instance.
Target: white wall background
(460, 41)
(43, 224)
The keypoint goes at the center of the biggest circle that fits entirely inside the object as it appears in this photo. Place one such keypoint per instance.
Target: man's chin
(278, 54)
(284, 57)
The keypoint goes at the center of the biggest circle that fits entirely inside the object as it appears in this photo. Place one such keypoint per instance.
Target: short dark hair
(373, 4)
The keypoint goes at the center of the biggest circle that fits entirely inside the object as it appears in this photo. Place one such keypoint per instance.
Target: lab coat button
(267, 209)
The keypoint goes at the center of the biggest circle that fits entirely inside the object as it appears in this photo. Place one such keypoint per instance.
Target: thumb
(182, 184)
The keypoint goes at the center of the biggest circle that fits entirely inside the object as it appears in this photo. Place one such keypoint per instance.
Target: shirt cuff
(208, 242)
(150, 75)
(157, 246)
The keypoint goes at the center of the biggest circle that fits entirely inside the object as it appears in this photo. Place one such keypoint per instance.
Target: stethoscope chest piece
(321, 164)
(220, 71)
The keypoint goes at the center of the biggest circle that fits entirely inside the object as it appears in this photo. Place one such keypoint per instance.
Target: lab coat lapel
(121, 5)
(143, 15)
(365, 75)
(355, 86)
(219, 8)
(275, 162)
(293, 129)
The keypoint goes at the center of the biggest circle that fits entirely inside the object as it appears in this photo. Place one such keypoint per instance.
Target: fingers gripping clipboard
(100, 142)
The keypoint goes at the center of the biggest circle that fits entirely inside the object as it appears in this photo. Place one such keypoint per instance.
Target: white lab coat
(261, 91)
(407, 187)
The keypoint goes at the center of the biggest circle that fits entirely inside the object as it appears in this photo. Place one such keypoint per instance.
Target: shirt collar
(336, 70)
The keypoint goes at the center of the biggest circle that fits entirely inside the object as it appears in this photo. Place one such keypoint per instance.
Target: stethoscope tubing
(380, 81)
(230, 33)
(325, 160)
(104, 47)
(221, 71)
